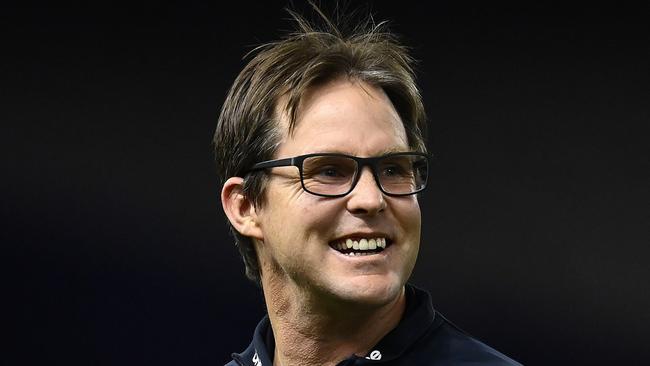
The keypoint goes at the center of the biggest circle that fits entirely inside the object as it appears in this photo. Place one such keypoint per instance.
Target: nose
(366, 198)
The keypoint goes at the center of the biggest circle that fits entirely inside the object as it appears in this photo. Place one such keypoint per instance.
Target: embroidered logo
(374, 355)
(256, 359)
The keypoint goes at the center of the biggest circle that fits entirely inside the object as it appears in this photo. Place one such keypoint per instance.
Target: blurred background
(535, 224)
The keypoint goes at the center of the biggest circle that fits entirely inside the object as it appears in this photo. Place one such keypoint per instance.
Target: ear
(240, 209)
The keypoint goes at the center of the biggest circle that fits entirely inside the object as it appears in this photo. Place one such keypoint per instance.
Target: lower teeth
(357, 254)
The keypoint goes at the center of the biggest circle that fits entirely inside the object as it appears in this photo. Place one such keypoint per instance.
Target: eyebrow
(395, 150)
(379, 153)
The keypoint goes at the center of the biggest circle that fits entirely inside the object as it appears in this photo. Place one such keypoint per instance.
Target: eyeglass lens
(334, 175)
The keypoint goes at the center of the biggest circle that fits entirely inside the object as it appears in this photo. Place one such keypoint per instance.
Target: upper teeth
(361, 244)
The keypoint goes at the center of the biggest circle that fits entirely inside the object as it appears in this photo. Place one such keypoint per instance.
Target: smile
(361, 246)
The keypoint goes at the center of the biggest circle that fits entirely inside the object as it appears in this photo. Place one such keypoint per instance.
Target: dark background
(535, 226)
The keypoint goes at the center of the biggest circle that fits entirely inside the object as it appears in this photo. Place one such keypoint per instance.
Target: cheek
(297, 218)
(314, 222)
(409, 215)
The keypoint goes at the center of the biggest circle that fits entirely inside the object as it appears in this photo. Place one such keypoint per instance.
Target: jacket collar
(261, 349)
(419, 317)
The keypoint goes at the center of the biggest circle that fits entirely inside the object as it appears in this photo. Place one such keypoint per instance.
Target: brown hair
(248, 131)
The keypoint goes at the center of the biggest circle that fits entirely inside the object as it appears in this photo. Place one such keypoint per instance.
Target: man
(320, 145)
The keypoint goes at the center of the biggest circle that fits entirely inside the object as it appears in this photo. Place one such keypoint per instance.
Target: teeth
(361, 244)
(381, 242)
(357, 254)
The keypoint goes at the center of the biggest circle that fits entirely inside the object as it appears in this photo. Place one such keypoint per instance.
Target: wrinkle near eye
(293, 186)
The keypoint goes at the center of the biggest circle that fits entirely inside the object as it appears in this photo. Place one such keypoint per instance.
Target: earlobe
(239, 209)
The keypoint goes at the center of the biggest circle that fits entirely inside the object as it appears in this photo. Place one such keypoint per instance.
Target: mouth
(361, 246)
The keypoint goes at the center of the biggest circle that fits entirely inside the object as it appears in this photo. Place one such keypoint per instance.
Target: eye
(394, 170)
(328, 168)
(330, 171)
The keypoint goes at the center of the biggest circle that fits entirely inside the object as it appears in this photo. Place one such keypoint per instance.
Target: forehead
(344, 115)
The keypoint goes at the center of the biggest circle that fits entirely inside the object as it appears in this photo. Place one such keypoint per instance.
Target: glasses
(336, 175)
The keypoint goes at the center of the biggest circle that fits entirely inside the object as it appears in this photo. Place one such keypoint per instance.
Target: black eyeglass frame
(372, 162)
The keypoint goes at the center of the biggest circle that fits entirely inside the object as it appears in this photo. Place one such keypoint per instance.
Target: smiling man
(321, 150)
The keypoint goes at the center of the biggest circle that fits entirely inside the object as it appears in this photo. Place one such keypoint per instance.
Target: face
(302, 232)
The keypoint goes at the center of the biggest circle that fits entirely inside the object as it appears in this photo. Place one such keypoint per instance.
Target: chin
(366, 290)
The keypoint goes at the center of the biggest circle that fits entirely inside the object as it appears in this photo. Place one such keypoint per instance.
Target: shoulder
(426, 337)
(450, 345)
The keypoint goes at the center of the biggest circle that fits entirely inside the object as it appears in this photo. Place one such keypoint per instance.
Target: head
(272, 111)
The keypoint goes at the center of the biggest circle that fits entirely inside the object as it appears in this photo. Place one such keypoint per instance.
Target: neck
(316, 330)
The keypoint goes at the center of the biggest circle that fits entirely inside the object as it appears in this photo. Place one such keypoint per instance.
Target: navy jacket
(423, 337)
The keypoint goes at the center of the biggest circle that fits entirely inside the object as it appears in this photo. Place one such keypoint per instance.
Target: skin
(323, 305)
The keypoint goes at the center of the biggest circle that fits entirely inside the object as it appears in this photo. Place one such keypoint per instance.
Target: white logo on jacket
(374, 355)
(256, 359)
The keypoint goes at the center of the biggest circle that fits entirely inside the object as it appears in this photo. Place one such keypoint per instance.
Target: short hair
(248, 129)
